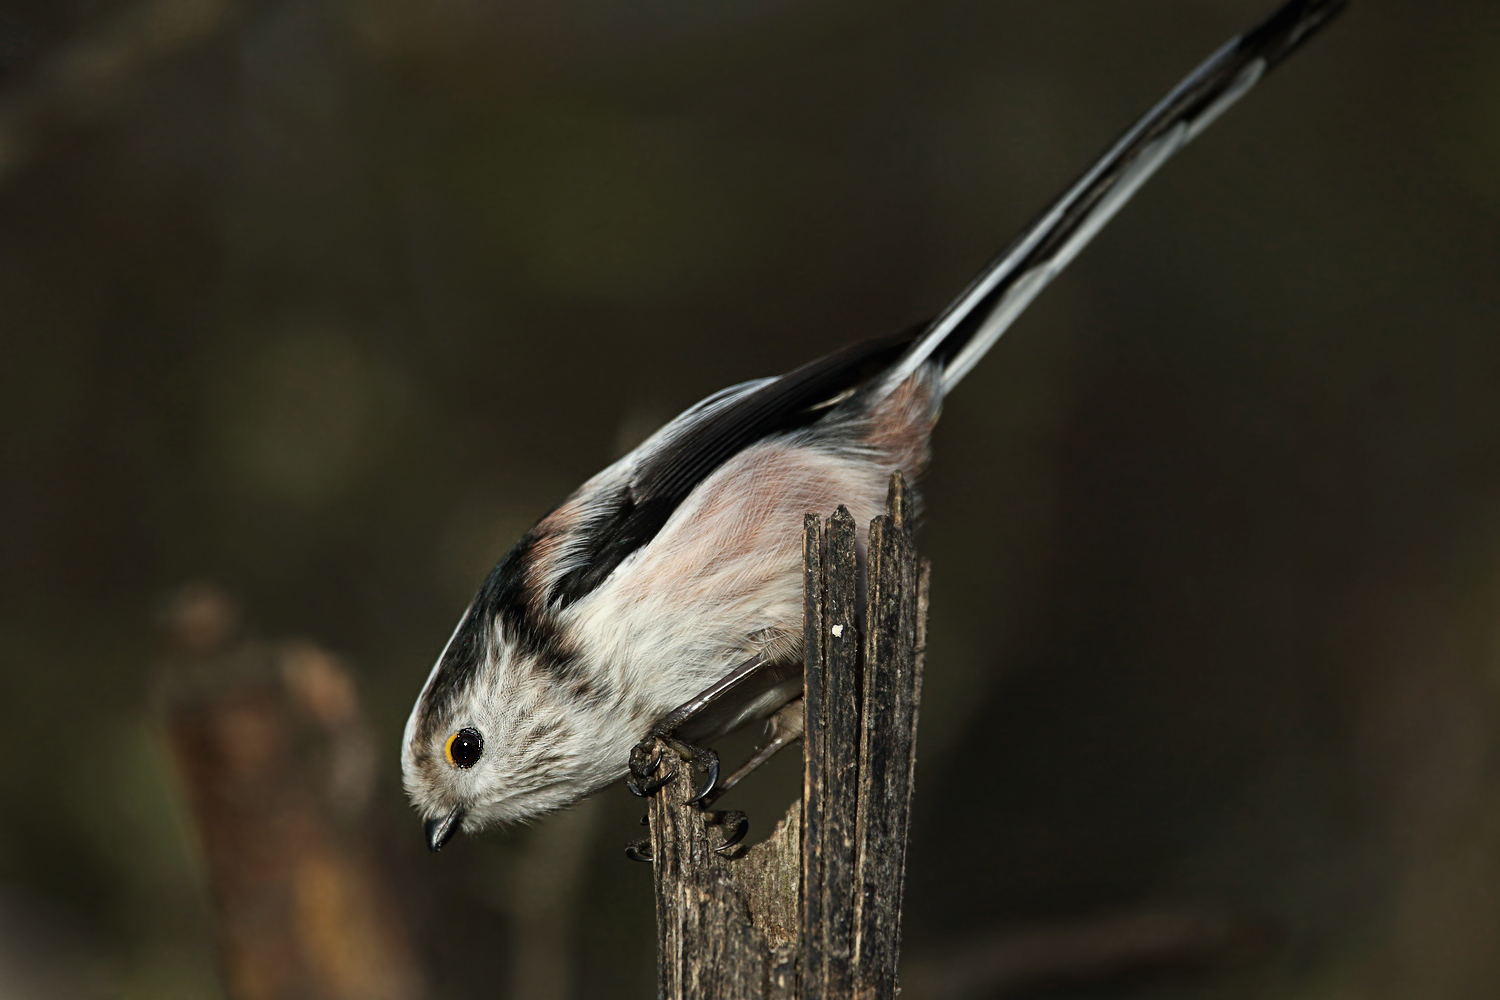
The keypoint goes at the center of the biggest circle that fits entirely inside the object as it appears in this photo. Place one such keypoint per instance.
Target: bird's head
(493, 737)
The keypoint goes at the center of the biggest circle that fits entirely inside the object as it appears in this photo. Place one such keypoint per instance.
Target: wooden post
(815, 911)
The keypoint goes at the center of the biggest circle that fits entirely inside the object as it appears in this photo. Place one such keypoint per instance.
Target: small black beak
(441, 829)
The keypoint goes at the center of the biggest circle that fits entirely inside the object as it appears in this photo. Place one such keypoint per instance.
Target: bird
(663, 597)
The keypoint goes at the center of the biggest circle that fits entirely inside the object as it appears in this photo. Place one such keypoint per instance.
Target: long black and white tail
(969, 327)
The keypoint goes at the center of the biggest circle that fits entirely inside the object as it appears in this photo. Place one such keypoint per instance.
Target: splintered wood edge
(815, 594)
(840, 754)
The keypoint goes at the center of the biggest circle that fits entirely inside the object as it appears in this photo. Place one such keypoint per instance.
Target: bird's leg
(744, 693)
(783, 729)
(739, 696)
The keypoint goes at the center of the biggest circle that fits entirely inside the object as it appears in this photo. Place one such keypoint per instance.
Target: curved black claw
(646, 775)
(640, 851)
(708, 762)
(735, 823)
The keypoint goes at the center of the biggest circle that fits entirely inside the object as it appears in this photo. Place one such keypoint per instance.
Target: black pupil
(467, 747)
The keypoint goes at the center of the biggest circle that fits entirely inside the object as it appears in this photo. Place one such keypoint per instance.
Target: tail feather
(969, 327)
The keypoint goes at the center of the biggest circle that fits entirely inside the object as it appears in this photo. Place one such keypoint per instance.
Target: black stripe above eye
(504, 597)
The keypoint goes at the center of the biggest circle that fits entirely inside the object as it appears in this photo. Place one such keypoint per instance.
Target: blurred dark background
(326, 300)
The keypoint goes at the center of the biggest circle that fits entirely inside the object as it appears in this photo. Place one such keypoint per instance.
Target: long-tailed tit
(672, 579)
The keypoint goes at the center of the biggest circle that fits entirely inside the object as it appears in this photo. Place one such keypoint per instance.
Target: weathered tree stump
(815, 911)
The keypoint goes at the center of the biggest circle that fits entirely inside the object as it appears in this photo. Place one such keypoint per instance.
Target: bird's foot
(735, 825)
(649, 769)
(733, 822)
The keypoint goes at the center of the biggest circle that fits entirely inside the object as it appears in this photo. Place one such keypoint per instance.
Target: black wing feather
(638, 510)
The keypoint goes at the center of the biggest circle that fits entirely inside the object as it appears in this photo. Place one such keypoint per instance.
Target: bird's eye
(464, 747)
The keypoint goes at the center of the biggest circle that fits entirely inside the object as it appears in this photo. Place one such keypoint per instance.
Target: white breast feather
(722, 580)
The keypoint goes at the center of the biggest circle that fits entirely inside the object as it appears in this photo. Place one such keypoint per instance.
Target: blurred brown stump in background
(277, 767)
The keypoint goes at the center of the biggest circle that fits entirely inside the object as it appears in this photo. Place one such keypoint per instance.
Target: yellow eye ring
(463, 748)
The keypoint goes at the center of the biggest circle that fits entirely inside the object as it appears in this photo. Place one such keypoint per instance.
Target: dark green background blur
(327, 300)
